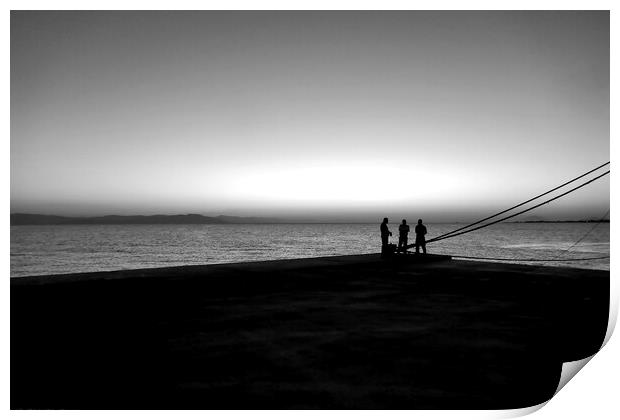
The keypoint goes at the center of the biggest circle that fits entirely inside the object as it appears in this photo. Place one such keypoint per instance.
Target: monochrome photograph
(306, 209)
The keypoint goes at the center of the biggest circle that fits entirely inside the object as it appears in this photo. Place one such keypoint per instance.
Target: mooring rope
(518, 205)
(586, 235)
(446, 236)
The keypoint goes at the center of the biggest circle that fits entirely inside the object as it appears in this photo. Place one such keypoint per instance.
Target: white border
(592, 394)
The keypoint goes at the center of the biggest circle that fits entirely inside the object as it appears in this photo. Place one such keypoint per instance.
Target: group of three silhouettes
(403, 233)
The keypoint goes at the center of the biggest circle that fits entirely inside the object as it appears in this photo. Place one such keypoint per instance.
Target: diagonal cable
(518, 205)
(584, 236)
(518, 213)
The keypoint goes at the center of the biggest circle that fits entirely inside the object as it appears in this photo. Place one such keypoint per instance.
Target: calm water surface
(82, 248)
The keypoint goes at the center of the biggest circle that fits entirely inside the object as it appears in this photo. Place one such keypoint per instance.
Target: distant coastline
(197, 219)
(20, 219)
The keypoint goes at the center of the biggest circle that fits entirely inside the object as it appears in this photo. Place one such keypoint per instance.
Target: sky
(334, 116)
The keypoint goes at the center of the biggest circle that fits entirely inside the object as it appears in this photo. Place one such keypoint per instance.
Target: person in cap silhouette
(420, 240)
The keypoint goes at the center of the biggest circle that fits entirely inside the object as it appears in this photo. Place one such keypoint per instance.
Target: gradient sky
(334, 115)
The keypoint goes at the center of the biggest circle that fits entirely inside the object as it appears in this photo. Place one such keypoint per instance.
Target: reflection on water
(82, 248)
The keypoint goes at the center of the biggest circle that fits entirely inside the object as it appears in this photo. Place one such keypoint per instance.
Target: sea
(58, 249)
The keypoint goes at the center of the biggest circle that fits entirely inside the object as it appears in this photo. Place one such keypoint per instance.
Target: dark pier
(353, 332)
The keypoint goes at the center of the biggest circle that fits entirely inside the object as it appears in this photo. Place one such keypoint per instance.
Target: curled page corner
(614, 297)
(569, 370)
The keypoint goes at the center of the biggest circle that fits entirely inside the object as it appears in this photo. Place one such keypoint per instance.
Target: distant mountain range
(196, 219)
(189, 219)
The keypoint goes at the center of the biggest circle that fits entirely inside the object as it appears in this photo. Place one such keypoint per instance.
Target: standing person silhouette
(403, 232)
(420, 231)
(385, 233)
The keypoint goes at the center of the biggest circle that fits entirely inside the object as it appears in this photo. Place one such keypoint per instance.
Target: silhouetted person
(385, 233)
(420, 240)
(403, 232)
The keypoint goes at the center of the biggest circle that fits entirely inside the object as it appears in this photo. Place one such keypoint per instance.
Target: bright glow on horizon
(341, 184)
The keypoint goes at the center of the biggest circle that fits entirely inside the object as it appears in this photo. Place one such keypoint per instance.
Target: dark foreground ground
(340, 332)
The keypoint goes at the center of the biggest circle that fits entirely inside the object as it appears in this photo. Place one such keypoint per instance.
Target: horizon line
(278, 219)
